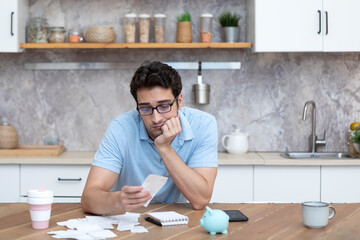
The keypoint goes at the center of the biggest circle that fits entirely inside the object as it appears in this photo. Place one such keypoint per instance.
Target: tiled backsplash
(265, 98)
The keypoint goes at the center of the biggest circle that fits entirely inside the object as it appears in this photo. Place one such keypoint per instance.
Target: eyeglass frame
(152, 108)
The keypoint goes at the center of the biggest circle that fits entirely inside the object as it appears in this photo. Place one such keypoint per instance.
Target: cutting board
(33, 151)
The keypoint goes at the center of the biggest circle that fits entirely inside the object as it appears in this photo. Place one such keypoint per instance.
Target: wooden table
(266, 221)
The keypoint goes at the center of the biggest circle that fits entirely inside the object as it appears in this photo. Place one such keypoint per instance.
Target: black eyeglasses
(163, 108)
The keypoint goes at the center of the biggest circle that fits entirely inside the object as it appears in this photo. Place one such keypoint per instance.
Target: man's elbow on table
(200, 204)
(84, 203)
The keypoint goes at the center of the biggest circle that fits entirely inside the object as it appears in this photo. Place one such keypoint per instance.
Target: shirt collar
(185, 134)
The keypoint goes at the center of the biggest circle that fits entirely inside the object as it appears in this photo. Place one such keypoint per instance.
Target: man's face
(153, 97)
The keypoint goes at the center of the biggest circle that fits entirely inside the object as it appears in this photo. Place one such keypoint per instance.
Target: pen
(153, 221)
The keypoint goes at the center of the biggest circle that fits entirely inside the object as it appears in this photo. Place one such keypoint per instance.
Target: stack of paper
(97, 227)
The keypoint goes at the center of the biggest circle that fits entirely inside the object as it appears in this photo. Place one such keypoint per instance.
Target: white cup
(316, 214)
(40, 207)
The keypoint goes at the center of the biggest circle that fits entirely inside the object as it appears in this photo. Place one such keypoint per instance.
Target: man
(161, 138)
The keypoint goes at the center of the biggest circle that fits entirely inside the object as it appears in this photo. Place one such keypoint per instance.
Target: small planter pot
(184, 32)
(8, 137)
(231, 34)
(357, 147)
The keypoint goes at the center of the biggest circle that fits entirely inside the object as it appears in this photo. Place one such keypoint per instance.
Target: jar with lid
(144, 28)
(57, 35)
(159, 27)
(130, 27)
(75, 36)
(37, 30)
(205, 27)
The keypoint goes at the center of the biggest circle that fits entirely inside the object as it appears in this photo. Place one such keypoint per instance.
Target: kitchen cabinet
(66, 181)
(9, 183)
(340, 184)
(286, 183)
(303, 25)
(13, 16)
(233, 184)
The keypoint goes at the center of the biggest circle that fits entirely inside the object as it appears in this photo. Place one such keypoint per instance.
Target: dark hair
(155, 74)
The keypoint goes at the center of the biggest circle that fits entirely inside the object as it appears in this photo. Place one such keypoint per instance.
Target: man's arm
(97, 199)
(195, 183)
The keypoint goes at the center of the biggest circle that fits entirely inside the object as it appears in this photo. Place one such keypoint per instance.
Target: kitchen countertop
(251, 158)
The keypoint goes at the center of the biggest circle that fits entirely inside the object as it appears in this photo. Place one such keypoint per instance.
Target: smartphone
(236, 216)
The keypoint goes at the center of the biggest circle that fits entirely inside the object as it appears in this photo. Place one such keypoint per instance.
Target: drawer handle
(11, 24)
(69, 179)
(319, 21)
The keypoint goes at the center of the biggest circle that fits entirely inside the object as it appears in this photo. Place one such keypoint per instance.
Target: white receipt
(153, 183)
(96, 227)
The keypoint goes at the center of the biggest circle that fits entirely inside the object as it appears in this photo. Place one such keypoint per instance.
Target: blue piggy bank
(215, 221)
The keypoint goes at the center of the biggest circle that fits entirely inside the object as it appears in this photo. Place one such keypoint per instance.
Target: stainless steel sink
(318, 155)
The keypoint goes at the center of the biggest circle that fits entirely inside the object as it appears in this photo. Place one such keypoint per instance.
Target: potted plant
(230, 24)
(184, 31)
(355, 139)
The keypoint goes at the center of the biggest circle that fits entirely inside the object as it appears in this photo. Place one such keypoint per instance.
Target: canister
(75, 36)
(144, 28)
(159, 27)
(205, 27)
(201, 93)
(57, 35)
(130, 27)
(37, 30)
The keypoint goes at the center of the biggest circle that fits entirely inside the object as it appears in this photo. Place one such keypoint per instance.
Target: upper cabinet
(303, 25)
(13, 15)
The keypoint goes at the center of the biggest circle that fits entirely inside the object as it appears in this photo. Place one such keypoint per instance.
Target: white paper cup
(316, 214)
(40, 208)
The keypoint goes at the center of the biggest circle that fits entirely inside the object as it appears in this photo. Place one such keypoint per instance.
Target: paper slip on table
(266, 221)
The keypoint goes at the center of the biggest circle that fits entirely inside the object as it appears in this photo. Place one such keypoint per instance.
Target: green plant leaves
(227, 19)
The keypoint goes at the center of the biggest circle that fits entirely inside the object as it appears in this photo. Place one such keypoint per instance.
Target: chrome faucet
(313, 140)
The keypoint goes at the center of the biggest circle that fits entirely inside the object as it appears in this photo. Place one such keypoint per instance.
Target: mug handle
(333, 212)
(223, 141)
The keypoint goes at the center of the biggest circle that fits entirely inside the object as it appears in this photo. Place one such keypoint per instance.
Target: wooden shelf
(133, 45)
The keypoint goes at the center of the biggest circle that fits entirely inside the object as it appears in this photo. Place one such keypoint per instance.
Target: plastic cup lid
(35, 193)
(160, 15)
(206, 15)
(131, 15)
(144, 15)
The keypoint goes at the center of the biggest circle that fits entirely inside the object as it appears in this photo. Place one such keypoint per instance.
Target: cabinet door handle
(319, 21)
(69, 179)
(11, 27)
(327, 22)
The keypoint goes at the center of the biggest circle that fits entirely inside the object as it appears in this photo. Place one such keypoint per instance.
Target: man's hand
(170, 129)
(132, 197)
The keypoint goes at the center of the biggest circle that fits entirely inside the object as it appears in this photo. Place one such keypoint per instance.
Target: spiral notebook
(166, 218)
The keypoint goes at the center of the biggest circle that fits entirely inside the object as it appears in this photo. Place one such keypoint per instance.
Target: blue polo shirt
(127, 149)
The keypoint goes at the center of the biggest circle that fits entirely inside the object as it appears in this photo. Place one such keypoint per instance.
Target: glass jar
(159, 27)
(75, 36)
(130, 27)
(57, 35)
(144, 28)
(205, 27)
(37, 30)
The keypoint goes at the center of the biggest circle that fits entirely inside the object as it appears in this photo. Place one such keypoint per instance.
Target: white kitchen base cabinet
(13, 16)
(290, 184)
(340, 184)
(66, 181)
(233, 184)
(9, 183)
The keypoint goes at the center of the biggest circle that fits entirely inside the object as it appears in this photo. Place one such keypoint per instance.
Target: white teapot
(236, 143)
